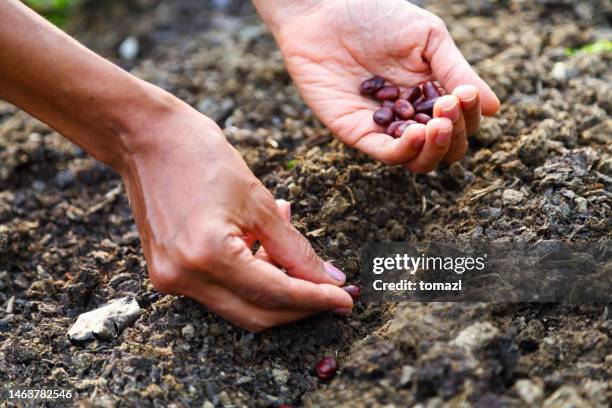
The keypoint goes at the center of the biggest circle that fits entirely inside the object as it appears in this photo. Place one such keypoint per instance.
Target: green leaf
(593, 48)
(291, 164)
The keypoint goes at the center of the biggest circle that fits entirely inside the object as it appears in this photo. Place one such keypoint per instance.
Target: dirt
(540, 170)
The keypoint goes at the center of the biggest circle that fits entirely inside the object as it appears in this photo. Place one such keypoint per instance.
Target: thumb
(288, 248)
(451, 69)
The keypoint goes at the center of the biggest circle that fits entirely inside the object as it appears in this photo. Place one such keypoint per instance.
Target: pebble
(512, 197)
(105, 322)
(488, 133)
(581, 204)
(476, 335)
(129, 48)
(529, 391)
(280, 375)
(65, 178)
(188, 330)
(406, 376)
(559, 72)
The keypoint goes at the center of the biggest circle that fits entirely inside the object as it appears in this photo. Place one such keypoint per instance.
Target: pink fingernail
(442, 138)
(343, 311)
(468, 103)
(334, 272)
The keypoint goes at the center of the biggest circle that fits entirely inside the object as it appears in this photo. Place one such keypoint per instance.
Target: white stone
(105, 322)
(280, 375)
(559, 72)
(129, 48)
(476, 335)
(512, 197)
(188, 330)
(529, 391)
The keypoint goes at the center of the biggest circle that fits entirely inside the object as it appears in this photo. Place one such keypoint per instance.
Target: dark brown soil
(68, 241)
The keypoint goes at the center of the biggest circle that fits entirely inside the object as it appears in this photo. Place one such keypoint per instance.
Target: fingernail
(418, 142)
(468, 103)
(451, 112)
(334, 272)
(343, 311)
(442, 138)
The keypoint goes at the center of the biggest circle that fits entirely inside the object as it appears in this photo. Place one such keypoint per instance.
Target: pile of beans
(401, 107)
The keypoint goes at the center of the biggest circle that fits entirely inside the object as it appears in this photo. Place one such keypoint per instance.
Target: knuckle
(438, 25)
(198, 253)
(165, 277)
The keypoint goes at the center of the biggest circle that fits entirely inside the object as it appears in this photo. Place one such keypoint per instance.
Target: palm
(328, 75)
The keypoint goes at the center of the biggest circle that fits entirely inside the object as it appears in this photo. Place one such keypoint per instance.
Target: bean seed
(372, 85)
(388, 104)
(384, 116)
(353, 290)
(430, 90)
(426, 106)
(411, 94)
(403, 109)
(387, 93)
(422, 118)
(326, 367)
(400, 130)
(393, 127)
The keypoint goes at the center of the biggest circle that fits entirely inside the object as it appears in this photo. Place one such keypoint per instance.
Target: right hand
(199, 209)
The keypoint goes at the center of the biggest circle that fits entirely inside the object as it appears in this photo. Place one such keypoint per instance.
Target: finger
(449, 107)
(284, 209)
(359, 131)
(289, 249)
(267, 286)
(469, 98)
(390, 150)
(438, 133)
(239, 311)
(452, 70)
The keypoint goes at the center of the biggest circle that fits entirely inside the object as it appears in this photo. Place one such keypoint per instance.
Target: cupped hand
(199, 210)
(330, 47)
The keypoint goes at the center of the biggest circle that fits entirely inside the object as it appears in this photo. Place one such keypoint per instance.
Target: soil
(68, 243)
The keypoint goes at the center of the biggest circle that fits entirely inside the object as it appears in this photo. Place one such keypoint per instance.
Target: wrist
(276, 13)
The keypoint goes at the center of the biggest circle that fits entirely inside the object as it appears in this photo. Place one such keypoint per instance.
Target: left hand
(331, 46)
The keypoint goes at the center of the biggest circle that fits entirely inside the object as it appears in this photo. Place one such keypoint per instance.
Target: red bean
(372, 85)
(384, 116)
(353, 290)
(393, 127)
(430, 90)
(426, 106)
(422, 118)
(400, 130)
(326, 367)
(387, 93)
(388, 104)
(411, 94)
(403, 109)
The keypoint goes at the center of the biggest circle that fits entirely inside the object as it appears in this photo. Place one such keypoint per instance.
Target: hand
(199, 209)
(331, 46)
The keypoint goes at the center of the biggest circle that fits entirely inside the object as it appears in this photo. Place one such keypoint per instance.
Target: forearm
(84, 97)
